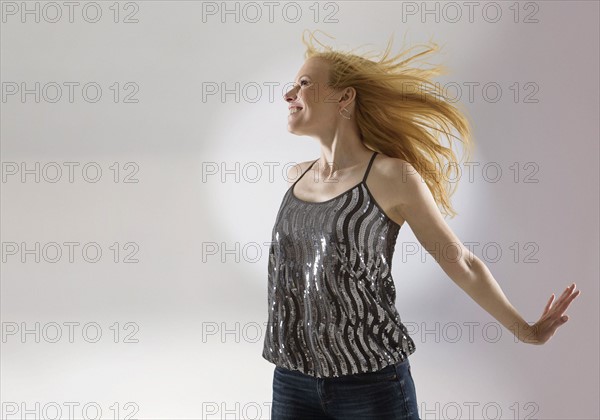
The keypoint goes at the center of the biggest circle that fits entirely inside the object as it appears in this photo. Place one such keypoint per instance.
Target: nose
(290, 95)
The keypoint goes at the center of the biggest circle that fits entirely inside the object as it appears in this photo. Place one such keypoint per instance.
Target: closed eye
(302, 82)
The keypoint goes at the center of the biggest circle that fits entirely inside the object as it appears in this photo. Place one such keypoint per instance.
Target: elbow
(469, 260)
(464, 271)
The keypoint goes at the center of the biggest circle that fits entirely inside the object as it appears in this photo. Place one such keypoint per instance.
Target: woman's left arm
(415, 204)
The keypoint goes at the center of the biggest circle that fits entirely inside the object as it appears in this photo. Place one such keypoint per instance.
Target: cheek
(314, 97)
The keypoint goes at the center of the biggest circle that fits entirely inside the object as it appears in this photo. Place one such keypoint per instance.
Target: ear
(347, 96)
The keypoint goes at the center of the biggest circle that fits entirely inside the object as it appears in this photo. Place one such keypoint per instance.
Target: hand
(552, 318)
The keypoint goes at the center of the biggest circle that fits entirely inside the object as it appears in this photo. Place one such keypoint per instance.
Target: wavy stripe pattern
(331, 294)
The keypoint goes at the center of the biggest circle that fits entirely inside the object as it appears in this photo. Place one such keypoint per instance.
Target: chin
(293, 130)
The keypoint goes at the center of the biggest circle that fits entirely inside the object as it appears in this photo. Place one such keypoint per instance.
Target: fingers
(567, 291)
(548, 305)
(559, 318)
(567, 298)
(567, 301)
(565, 294)
(555, 312)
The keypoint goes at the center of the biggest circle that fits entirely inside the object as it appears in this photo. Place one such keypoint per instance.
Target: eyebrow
(304, 75)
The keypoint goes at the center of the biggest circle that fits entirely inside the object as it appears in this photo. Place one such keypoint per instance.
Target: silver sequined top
(331, 294)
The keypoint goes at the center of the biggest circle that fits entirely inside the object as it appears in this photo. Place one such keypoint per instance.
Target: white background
(199, 318)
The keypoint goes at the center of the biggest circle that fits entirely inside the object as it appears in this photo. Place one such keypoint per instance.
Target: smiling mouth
(295, 110)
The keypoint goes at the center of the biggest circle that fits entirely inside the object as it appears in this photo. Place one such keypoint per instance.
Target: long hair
(402, 113)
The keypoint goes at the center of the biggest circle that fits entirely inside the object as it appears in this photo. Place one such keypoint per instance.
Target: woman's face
(318, 103)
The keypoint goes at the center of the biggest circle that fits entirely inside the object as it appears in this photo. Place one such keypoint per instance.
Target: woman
(334, 334)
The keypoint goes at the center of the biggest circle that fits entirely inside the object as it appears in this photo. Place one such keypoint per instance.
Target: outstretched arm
(415, 204)
(481, 286)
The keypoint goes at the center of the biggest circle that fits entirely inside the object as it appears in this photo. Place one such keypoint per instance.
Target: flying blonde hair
(402, 113)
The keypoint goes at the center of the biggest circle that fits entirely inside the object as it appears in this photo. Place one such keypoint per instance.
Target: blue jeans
(386, 394)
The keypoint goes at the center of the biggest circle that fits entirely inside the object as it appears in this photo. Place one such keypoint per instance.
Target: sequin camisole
(331, 296)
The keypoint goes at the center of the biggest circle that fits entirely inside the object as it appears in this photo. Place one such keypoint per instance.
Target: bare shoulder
(394, 172)
(392, 182)
(294, 171)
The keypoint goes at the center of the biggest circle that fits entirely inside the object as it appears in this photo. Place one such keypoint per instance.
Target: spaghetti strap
(302, 174)
(369, 167)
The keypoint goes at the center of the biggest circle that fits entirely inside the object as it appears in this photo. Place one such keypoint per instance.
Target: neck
(341, 157)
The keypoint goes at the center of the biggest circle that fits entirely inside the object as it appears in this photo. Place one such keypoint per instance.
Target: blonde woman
(334, 333)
